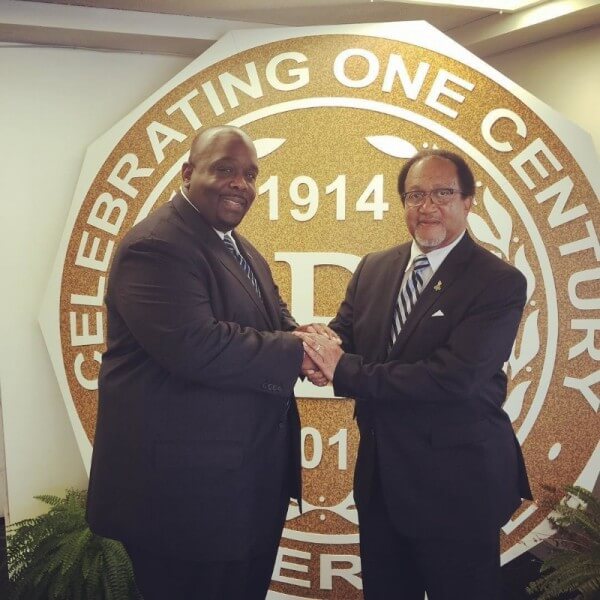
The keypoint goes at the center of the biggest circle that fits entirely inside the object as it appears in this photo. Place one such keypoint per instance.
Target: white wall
(563, 72)
(53, 103)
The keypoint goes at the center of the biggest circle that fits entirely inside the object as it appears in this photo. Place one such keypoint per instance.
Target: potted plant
(574, 563)
(55, 556)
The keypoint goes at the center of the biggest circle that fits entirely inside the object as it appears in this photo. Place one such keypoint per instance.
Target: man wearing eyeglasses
(427, 327)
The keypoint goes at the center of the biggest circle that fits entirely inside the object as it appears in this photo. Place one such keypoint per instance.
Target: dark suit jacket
(430, 414)
(197, 437)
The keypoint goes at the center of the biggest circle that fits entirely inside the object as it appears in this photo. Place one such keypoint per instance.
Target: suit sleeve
(288, 323)
(165, 303)
(476, 350)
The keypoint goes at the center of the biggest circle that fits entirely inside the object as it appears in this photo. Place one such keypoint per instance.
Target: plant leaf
(55, 556)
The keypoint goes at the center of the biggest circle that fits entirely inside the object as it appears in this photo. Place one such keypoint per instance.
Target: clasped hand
(322, 352)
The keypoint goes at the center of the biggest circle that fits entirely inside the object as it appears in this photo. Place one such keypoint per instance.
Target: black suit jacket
(197, 437)
(430, 413)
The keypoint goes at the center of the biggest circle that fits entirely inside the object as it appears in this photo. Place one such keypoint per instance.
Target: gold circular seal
(333, 112)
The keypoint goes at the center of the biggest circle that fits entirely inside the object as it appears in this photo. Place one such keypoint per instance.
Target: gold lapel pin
(438, 286)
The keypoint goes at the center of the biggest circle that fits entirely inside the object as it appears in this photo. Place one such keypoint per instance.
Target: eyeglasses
(439, 196)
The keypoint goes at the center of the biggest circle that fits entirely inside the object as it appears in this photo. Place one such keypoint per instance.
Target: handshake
(322, 352)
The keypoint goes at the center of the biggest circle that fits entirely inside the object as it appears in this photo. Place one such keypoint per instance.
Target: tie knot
(420, 262)
(227, 239)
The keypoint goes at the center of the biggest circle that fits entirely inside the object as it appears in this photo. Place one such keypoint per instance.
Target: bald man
(196, 452)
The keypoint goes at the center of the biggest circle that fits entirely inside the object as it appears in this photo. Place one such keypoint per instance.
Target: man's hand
(312, 372)
(325, 352)
(320, 329)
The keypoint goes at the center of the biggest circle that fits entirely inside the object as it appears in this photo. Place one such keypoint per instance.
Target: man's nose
(428, 204)
(238, 181)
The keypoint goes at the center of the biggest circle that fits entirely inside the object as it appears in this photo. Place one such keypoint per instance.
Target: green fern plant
(56, 557)
(574, 565)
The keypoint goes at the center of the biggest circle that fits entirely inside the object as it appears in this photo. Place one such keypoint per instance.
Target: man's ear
(186, 173)
(468, 203)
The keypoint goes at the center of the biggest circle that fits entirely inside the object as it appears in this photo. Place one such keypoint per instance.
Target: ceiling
(188, 27)
(296, 12)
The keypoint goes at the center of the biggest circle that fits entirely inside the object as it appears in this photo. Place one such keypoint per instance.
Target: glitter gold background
(323, 143)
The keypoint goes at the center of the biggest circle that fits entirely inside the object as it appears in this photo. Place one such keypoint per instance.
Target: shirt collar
(435, 257)
(221, 234)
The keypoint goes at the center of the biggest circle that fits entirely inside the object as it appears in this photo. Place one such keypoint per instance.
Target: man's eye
(445, 192)
(224, 169)
(252, 176)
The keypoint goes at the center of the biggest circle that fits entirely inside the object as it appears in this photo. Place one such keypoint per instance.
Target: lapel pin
(438, 286)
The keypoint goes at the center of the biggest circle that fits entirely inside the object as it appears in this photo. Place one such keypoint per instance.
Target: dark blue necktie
(242, 262)
(408, 295)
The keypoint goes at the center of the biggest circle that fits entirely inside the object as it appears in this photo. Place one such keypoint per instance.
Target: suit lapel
(443, 279)
(216, 245)
(262, 277)
(270, 303)
(392, 273)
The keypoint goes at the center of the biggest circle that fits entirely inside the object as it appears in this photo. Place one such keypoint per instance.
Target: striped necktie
(408, 296)
(242, 262)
